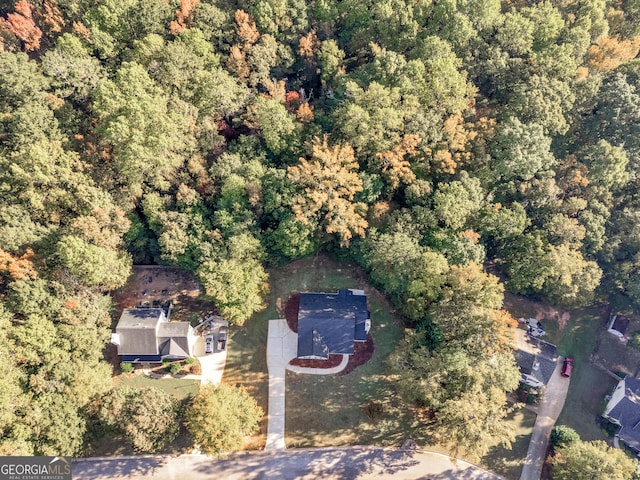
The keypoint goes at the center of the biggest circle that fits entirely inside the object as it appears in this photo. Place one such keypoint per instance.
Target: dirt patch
(362, 354)
(151, 285)
(291, 312)
(520, 306)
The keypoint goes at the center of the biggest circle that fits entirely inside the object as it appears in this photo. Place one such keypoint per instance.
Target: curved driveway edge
(321, 371)
(356, 463)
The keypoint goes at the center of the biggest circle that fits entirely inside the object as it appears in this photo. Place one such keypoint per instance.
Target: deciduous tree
(329, 183)
(221, 416)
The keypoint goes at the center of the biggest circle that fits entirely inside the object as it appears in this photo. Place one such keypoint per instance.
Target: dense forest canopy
(422, 139)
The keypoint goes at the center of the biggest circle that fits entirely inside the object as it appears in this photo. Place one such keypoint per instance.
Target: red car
(567, 366)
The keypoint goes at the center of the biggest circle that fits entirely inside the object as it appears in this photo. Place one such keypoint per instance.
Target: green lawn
(180, 388)
(588, 384)
(508, 462)
(337, 402)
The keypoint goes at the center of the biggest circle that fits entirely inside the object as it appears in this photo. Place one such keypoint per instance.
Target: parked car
(222, 339)
(567, 366)
(208, 344)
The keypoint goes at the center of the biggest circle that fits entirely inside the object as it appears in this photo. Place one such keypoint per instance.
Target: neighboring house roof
(145, 334)
(137, 330)
(624, 410)
(536, 359)
(331, 322)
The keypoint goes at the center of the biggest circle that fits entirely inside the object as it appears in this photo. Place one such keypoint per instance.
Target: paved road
(548, 412)
(352, 463)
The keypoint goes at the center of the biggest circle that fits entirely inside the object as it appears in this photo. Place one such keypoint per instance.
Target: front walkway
(548, 412)
(282, 347)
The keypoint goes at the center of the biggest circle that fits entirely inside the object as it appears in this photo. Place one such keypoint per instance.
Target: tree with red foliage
(21, 24)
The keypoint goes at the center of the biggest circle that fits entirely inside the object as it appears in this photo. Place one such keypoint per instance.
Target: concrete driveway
(353, 463)
(212, 364)
(548, 412)
(282, 346)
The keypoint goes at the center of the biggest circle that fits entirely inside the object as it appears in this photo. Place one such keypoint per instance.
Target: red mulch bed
(362, 354)
(333, 361)
(291, 312)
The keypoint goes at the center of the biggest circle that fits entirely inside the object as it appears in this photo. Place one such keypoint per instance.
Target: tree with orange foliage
(22, 25)
(609, 53)
(329, 181)
(394, 167)
(183, 16)
(18, 268)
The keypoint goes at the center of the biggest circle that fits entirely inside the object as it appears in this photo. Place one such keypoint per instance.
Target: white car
(208, 344)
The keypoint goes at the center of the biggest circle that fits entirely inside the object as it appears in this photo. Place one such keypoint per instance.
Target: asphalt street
(351, 463)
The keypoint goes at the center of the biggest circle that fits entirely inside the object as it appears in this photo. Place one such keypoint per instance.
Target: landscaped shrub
(635, 341)
(561, 436)
(189, 360)
(610, 428)
(174, 368)
(126, 367)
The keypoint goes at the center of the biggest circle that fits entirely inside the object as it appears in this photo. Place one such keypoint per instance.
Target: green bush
(174, 368)
(561, 436)
(635, 341)
(126, 367)
(190, 360)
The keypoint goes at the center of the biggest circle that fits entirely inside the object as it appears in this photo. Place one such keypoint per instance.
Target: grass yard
(588, 384)
(247, 364)
(509, 462)
(181, 388)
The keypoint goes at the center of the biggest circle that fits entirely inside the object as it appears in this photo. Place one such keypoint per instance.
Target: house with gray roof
(146, 335)
(331, 323)
(623, 409)
(536, 359)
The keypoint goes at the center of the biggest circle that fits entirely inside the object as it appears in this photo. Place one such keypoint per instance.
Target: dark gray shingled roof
(137, 331)
(330, 323)
(627, 413)
(173, 339)
(538, 360)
